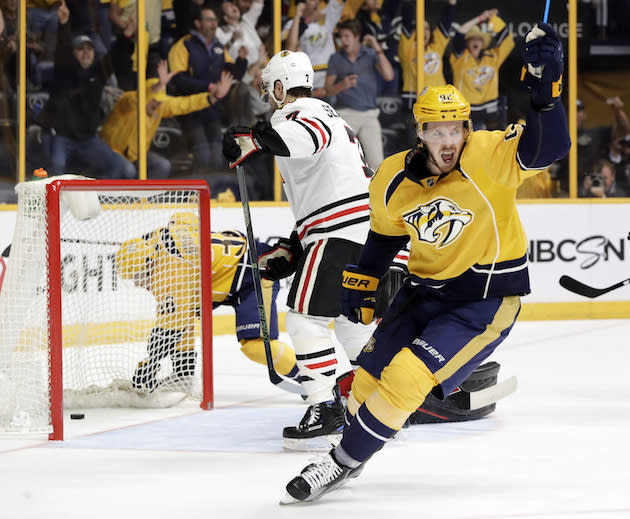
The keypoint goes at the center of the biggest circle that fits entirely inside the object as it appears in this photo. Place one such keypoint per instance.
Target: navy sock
(365, 435)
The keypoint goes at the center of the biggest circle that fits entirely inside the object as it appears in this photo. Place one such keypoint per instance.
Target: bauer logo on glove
(358, 295)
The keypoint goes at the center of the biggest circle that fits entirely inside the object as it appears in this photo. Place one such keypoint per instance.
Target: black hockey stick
(274, 377)
(580, 288)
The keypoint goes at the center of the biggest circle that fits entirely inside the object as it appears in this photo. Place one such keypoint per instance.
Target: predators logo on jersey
(481, 76)
(440, 221)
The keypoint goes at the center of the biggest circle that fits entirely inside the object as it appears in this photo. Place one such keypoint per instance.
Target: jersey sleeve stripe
(311, 133)
(328, 131)
(321, 133)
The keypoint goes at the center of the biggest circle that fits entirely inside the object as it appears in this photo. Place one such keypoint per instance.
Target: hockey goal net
(79, 326)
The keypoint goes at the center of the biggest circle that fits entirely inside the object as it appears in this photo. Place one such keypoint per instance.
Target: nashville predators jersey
(228, 255)
(175, 278)
(433, 69)
(463, 227)
(478, 79)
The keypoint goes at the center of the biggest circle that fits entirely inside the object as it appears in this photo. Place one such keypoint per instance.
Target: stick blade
(577, 287)
(484, 397)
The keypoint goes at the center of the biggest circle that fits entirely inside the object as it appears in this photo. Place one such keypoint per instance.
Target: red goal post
(74, 329)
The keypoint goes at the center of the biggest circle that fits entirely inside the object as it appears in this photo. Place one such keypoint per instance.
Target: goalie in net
(163, 262)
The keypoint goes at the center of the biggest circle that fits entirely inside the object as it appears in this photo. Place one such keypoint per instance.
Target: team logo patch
(369, 347)
(441, 221)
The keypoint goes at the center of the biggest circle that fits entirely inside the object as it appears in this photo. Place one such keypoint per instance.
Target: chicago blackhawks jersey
(325, 176)
(465, 233)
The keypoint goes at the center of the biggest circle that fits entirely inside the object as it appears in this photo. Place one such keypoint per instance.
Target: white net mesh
(126, 342)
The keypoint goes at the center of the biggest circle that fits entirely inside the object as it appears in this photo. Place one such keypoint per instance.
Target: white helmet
(292, 69)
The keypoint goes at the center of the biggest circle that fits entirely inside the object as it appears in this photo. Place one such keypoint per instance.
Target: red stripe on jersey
(317, 127)
(309, 271)
(333, 216)
(322, 364)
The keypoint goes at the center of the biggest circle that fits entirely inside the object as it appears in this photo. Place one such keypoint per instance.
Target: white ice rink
(557, 448)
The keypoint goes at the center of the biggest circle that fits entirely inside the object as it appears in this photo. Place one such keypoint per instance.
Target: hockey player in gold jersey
(165, 262)
(452, 198)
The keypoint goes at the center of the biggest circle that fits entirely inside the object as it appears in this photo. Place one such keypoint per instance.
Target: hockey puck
(77, 416)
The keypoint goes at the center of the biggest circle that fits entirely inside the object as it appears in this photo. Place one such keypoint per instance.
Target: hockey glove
(544, 63)
(238, 144)
(358, 295)
(281, 261)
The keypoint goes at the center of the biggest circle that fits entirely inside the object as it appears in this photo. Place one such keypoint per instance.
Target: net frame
(54, 190)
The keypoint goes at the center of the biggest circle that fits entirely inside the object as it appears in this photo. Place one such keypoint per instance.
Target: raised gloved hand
(238, 144)
(544, 63)
(358, 294)
(281, 261)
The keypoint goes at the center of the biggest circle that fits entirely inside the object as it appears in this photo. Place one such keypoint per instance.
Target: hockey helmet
(441, 104)
(185, 218)
(292, 69)
(132, 257)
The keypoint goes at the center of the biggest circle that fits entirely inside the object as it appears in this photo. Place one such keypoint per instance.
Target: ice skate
(317, 479)
(320, 428)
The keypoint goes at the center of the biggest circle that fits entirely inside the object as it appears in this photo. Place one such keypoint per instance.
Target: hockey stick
(546, 15)
(274, 377)
(484, 397)
(580, 288)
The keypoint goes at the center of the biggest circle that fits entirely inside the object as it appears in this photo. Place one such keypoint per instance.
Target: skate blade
(288, 499)
(316, 444)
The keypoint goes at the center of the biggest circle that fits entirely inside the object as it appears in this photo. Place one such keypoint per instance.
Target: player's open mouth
(447, 157)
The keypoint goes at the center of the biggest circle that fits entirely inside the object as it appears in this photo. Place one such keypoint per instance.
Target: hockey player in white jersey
(325, 178)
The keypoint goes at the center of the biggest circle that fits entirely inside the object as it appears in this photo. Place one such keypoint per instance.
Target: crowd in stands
(204, 63)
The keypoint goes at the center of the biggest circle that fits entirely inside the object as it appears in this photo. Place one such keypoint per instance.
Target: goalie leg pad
(434, 410)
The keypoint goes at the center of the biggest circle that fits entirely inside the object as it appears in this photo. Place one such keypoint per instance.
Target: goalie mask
(184, 218)
(292, 69)
(132, 257)
(441, 104)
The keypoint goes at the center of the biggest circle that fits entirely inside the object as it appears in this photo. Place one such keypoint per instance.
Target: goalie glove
(544, 62)
(242, 142)
(358, 295)
(282, 260)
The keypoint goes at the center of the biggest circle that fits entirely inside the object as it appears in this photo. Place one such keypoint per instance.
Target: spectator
(41, 25)
(124, 53)
(87, 18)
(593, 143)
(476, 68)
(239, 30)
(185, 12)
(619, 155)
(10, 54)
(379, 19)
(435, 43)
(352, 79)
(311, 31)
(198, 60)
(601, 181)
(120, 130)
(72, 115)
